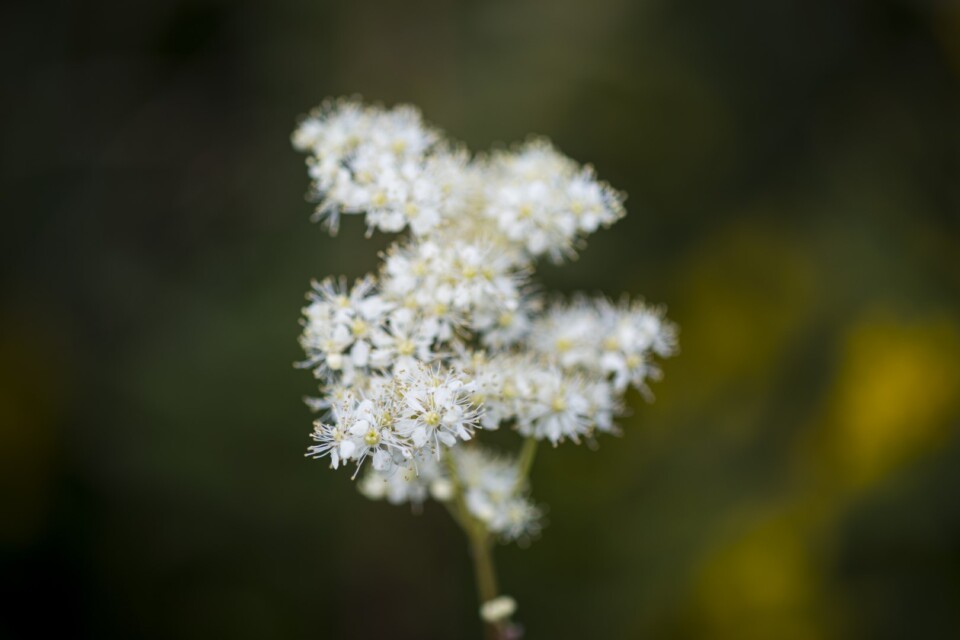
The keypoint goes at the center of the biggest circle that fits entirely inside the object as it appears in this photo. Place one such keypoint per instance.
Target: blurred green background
(794, 178)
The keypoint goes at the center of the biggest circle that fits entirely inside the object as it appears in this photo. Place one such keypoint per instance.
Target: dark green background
(794, 178)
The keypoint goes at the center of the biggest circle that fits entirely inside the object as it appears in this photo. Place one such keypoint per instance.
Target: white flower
(401, 342)
(435, 407)
(339, 325)
(557, 409)
(636, 334)
(363, 428)
(495, 380)
(334, 440)
(506, 328)
(604, 404)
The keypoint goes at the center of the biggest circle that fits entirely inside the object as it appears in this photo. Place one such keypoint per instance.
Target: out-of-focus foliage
(794, 180)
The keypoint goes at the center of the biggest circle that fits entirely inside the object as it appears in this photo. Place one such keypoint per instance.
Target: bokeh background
(794, 178)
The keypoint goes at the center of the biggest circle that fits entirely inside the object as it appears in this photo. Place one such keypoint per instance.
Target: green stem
(525, 462)
(481, 547)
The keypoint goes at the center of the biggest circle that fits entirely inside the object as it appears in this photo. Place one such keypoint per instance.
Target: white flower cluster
(496, 495)
(368, 160)
(413, 482)
(400, 173)
(543, 200)
(414, 413)
(449, 337)
(539, 398)
(603, 339)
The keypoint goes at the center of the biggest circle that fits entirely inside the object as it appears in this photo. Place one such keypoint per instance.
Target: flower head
(451, 337)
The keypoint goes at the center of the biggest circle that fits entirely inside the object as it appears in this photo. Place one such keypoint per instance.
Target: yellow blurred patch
(898, 385)
(764, 584)
(746, 297)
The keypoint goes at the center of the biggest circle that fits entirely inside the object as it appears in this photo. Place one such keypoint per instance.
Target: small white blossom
(401, 342)
(506, 328)
(435, 407)
(557, 409)
(339, 326)
(362, 428)
(499, 609)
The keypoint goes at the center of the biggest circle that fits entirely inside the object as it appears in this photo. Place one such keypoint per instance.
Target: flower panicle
(451, 337)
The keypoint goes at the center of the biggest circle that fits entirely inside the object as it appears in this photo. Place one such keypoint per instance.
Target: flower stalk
(481, 545)
(481, 550)
(449, 338)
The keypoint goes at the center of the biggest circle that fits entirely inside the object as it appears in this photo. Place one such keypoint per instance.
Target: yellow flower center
(406, 348)
(559, 403)
(359, 327)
